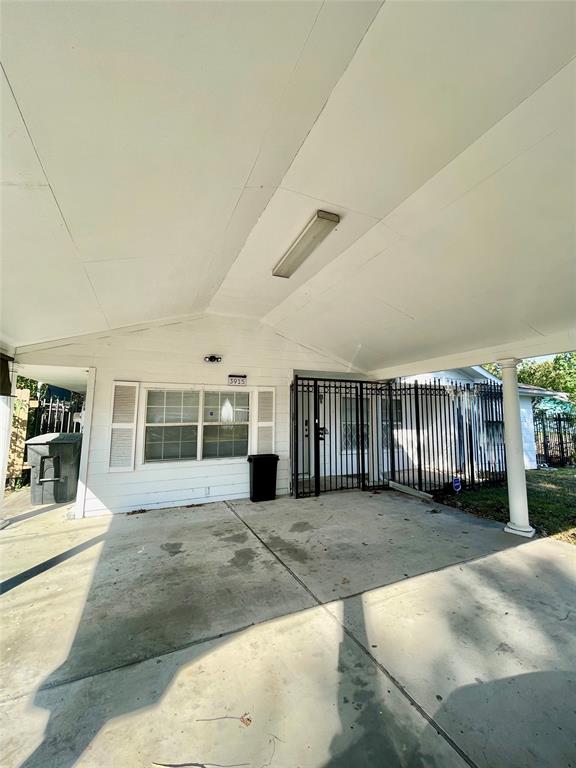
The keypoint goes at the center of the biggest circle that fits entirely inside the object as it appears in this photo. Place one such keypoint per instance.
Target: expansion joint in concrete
(396, 683)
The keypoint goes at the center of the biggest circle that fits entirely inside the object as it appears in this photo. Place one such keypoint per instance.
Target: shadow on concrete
(12, 520)
(372, 734)
(525, 721)
(108, 639)
(21, 578)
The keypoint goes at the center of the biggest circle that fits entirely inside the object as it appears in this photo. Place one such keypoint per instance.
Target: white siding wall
(461, 376)
(528, 437)
(457, 375)
(173, 354)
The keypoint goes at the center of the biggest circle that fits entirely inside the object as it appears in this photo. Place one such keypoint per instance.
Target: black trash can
(263, 468)
(54, 462)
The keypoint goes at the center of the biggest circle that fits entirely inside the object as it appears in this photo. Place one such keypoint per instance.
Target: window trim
(147, 424)
(142, 464)
(353, 450)
(203, 423)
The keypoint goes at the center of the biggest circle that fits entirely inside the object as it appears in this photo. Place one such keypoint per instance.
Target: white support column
(517, 497)
(78, 509)
(6, 405)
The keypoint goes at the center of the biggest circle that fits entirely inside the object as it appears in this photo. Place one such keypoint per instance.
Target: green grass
(551, 501)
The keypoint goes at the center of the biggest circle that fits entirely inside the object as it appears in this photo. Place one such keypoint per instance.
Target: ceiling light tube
(319, 227)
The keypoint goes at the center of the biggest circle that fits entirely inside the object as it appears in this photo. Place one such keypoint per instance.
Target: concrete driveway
(345, 631)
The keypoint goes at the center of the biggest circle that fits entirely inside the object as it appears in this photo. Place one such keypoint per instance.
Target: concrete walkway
(345, 631)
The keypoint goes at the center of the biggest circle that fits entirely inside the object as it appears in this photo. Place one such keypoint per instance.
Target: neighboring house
(421, 431)
(527, 395)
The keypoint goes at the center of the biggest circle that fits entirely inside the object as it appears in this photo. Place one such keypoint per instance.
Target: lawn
(551, 501)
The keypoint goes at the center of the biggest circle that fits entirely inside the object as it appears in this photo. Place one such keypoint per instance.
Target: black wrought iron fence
(357, 434)
(447, 431)
(55, 415)
(555, 438)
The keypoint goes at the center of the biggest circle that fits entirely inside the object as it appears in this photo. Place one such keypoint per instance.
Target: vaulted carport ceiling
(159, 158)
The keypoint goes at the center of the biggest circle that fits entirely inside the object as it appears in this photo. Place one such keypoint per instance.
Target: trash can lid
(269, 456)
(55, 437)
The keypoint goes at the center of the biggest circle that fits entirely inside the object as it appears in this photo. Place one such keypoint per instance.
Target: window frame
(389, 429)
(353, 450)
(145, 387)
(164, 424)
(219, 423)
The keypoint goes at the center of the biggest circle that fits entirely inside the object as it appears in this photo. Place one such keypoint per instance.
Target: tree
(30, 384)
(558, 374)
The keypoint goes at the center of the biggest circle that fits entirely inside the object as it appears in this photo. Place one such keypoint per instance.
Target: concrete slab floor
(341, 544)
(299, 638)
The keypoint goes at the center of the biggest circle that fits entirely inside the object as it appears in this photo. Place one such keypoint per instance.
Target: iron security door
(362, 434)
(336, 438)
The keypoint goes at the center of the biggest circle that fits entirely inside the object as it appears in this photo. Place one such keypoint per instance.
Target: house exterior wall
(469, 376)
(528, 436)
(456, 375)
(173, 355)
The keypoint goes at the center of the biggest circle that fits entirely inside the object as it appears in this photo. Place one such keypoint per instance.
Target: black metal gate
(337, 435)
(356, 434)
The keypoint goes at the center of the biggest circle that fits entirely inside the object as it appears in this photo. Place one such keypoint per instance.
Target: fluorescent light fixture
(319, 227)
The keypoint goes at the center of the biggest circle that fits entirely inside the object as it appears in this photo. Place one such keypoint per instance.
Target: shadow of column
(372, 734)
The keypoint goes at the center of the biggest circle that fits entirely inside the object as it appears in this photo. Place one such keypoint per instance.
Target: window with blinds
(189, 425)
(171, 431)
(225, 424)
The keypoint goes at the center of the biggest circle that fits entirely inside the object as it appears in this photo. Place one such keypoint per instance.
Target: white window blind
(171, 425)
(123, 433)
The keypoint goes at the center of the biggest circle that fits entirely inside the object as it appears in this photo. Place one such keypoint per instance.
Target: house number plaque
(237, 380)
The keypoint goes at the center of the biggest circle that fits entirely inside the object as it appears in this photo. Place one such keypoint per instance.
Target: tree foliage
(558, 374)
(32, 386)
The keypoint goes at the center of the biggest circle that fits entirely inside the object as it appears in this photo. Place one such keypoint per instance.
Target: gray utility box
(54, 462)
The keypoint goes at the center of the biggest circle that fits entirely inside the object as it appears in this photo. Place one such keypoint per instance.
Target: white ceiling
(162, 130)
(184, 146)
(447, 148)
(64, 376)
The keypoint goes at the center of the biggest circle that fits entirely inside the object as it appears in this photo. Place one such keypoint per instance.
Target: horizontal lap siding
(528, 436)
(174, 355)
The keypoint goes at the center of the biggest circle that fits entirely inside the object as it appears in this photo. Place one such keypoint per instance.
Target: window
(397, 412)
(171, 425)
(349, 423)
(387, 428)
(494, 432)
(226, 420)
(179, 422)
